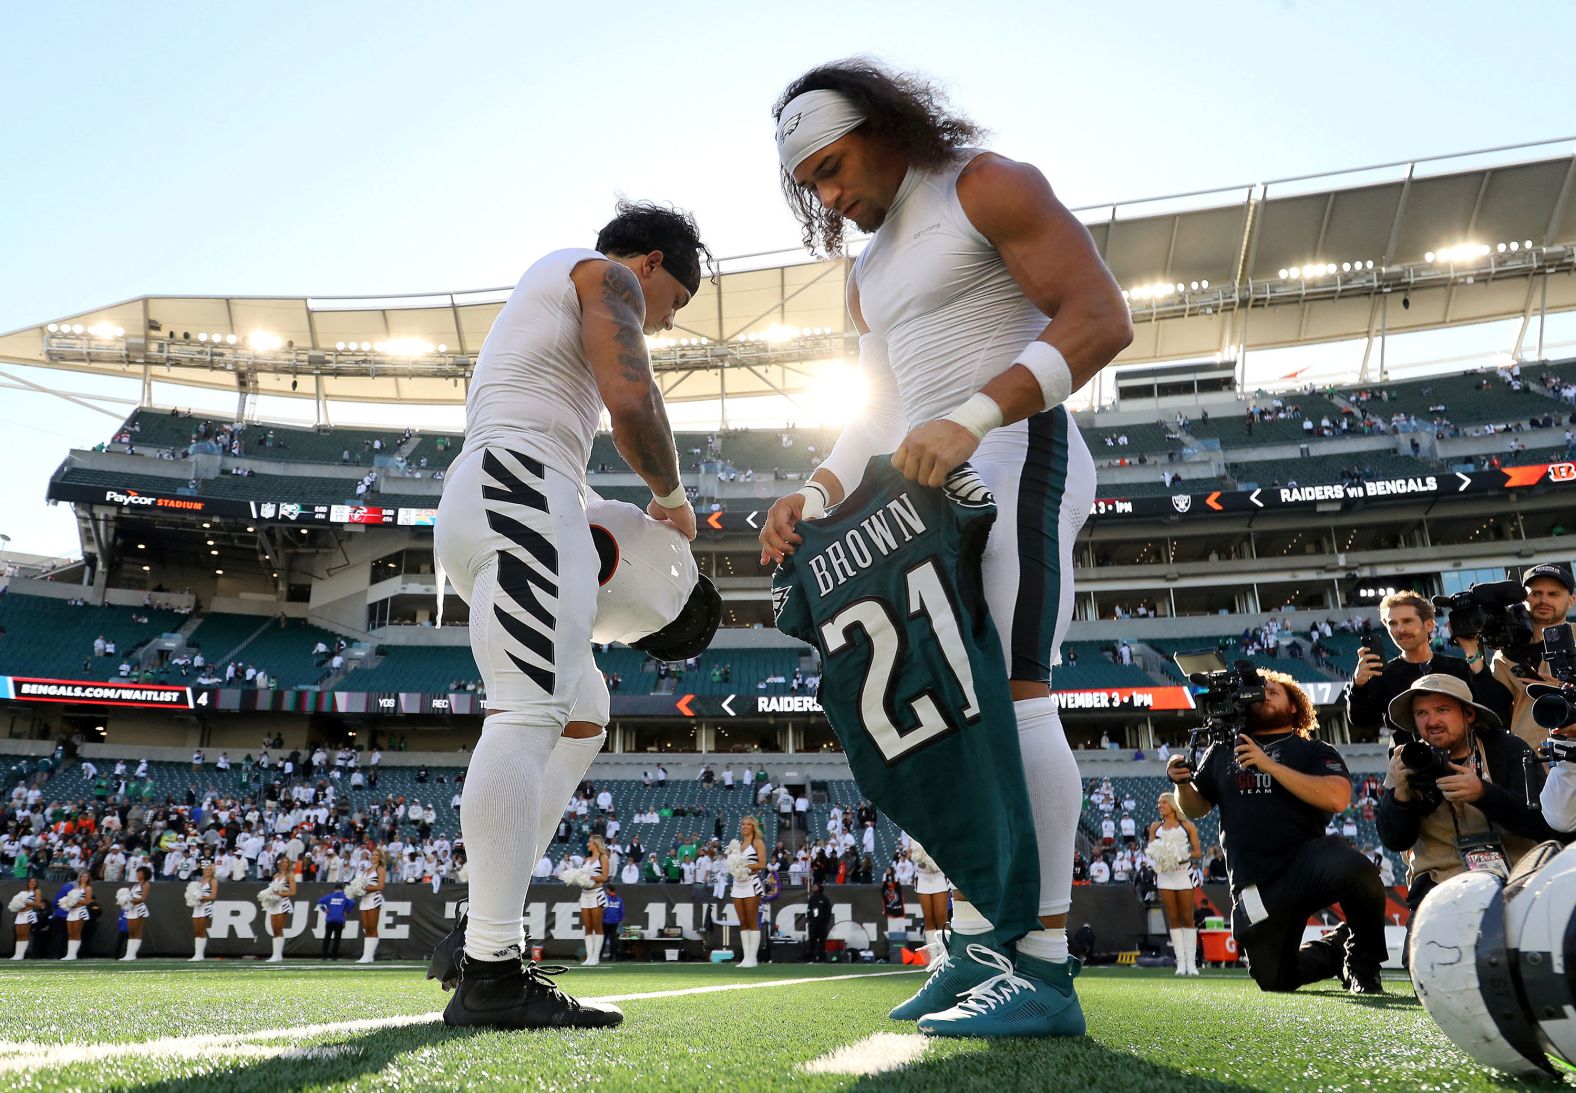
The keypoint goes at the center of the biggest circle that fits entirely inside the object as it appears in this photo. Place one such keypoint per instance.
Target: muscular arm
(612, 332)
(1054, 260)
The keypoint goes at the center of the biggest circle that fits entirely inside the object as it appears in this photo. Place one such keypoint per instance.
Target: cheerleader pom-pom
(123, 898)
(194, 893)
(19, 901)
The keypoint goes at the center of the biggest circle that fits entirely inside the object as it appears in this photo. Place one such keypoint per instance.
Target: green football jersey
(887, 588)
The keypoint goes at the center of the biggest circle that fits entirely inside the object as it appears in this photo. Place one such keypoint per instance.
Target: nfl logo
(267, 510)
(1182, 501)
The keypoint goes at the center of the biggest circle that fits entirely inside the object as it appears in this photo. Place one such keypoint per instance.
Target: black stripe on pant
(1318, 873)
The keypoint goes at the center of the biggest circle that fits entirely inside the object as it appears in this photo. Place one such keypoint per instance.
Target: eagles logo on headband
(812, 121)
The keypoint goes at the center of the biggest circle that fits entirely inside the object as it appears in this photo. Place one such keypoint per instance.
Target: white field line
(22, 1056)
(872, 1055)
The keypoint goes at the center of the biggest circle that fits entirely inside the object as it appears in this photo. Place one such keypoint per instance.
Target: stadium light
(53, 328)
(339, 346)
(202, 337)
(229, 339)
(442, 348)
(263, 341)
(145, 569)
(76, 328)
(218, 572)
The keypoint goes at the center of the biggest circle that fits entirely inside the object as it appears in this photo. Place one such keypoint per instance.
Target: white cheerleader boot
(750, 940)
(201, 945)
(1190, 940)
(21, 949)
(1176, 947)
(279, 951)
(71, 949)
(370, 953)
(132, 945)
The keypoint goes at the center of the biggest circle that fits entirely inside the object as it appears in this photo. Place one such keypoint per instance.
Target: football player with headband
(981, 305)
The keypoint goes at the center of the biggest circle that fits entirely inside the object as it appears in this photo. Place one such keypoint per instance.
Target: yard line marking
(22, 1056)
(71, 1054)
(873, 1055)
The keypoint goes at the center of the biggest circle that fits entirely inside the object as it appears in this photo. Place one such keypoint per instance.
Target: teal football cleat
(953, 973)
(1032, 998)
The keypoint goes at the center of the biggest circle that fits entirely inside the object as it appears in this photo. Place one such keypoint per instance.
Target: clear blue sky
(355, 148)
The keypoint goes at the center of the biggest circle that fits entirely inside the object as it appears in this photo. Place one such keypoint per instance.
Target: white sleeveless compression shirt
(533, 390)
(940, 296)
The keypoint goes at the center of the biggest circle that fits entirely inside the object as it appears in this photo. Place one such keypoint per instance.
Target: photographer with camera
(1457, 796)
(1277, 789)
(1409, 619)
(1520, 662)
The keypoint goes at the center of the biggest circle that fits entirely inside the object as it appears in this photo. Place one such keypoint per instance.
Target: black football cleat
(445, 963)
(1364, 983)
(512, 994)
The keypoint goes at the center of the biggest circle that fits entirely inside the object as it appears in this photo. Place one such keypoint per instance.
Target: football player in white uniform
(981, 304)
(513, 537)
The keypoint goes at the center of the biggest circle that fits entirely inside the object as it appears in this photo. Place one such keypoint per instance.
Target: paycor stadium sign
(1110, 506)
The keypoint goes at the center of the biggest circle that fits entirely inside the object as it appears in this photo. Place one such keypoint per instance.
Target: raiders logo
(1181, 501)
(788, 127)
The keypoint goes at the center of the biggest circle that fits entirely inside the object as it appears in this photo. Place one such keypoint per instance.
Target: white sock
(201, 946)
(279, 947)
(932, 938)
(966, 918)
(1055, 798)
(132, 945)
(71, 949)
(565, 770)
(498, 817)
(21, 949)
(1047, 944)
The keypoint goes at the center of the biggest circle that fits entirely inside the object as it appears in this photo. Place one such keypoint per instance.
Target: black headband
(684, 269)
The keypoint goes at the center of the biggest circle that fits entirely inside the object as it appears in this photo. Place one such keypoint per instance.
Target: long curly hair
(903, 110)
(1305, 718)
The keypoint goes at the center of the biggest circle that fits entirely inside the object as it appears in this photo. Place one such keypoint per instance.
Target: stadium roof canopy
(1465, 238)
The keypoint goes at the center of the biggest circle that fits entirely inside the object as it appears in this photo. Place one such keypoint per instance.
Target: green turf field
(236, 1026)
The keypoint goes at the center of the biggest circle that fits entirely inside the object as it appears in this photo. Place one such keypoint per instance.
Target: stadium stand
(283, 649)
(1091, 665)
(1231, 429)
(1471, 398)
(305, 489)
(54, 638)
(1327, 468)
(1147, 438)
(151, 429)
(1301, 668)
(430, 668)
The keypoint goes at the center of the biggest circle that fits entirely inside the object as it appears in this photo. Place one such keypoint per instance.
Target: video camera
(1224, 698)
(1554, 706)
(1492, 611)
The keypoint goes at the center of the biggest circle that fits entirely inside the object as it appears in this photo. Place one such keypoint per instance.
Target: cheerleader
(1174, 852)
(747, 892)
(202, 910)
(593, 898)
(83, 893)
(136, 911)
(375, 877)
(284, 883)
(26, 903)
(934, 891)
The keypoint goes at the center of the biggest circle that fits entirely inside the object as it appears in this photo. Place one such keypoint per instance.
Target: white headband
(812, 121)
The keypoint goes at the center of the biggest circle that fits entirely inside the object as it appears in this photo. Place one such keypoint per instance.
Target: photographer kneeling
(1277, 790)
(1457, 796)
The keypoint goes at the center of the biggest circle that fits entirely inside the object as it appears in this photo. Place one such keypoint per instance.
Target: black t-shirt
(1261, 821)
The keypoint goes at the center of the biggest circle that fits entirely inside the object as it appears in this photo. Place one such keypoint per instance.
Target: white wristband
(1050, 368)
(979, 415)
(815, 499)
(673, 500)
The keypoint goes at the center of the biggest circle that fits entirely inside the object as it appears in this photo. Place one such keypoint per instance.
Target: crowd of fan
(248, 815)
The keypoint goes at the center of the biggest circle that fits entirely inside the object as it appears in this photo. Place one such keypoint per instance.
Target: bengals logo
(1562, 472)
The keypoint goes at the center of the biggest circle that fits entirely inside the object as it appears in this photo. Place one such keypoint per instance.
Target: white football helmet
(1462, 967)
(1542, 918)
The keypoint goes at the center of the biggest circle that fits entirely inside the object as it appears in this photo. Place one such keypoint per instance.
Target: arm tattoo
(624, 304)
(655, 455)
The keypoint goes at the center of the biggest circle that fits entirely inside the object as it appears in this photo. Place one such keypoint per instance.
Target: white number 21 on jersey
(926, 599)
